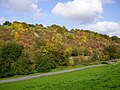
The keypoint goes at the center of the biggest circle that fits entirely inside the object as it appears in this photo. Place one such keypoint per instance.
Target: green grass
(2, 27)
(98, 78)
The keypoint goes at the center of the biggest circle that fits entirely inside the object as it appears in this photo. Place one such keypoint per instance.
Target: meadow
(2, 27)
(99, 78)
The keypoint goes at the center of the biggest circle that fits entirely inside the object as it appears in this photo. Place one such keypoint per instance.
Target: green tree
(7, 23)
(31, 25)
(115, 38)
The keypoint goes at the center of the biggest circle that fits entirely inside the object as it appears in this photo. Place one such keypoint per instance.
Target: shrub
(105, 57)
(118, 53)
(79, 60)
(61, 56)
(75, 52)
(112, 51)
(71, 61)
(105, 62)
(95, 56)
(10, 53)
(44, 63)
(86, 52)
(24, 65)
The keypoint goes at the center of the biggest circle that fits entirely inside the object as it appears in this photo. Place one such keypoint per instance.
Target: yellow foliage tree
(18, 27)
(17, 36)
(84, 38)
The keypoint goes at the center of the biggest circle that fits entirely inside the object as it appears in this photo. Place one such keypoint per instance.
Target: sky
(102, 16)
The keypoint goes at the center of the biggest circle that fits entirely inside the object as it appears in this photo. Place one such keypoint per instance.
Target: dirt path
(46, 74)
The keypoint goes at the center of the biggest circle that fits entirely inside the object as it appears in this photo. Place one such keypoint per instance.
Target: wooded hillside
(27, 48)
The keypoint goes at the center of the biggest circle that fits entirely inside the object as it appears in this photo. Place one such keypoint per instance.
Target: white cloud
(25, 6)
(84, 11)
(106, 27)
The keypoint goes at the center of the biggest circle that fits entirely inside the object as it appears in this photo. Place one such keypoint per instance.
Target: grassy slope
(99, 78)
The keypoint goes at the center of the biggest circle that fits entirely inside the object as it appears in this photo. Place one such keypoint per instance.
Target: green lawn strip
(98, 78)
(2, 27)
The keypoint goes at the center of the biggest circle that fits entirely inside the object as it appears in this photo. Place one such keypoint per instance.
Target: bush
(9, 54)
(71, 61)
(105, 62)
(114, 60)
(105, 57)
(86, 52)
(44, 63)
(61, 56)
(24, 65)
(11, 51)
(95, 56)
(79, 60)
(75, 52)
(118, 53)
(112, 51)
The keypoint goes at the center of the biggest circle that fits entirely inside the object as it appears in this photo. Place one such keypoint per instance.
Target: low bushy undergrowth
(14, 60)
(45, 62)
(9, 55)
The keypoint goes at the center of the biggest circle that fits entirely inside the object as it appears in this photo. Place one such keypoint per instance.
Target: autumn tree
(18, 27)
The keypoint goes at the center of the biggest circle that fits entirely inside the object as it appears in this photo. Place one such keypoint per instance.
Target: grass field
(2, 27)
(98, 78)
